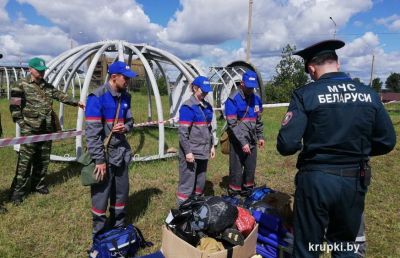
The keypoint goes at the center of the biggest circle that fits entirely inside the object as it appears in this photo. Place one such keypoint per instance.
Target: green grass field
(59, 224)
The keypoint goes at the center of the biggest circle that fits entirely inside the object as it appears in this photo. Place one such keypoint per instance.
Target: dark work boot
(247, 190)
(232, 192)
(16, 198)
(2, 210)
(42, 190)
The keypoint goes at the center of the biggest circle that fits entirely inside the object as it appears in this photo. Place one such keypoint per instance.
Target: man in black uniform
(337, 123)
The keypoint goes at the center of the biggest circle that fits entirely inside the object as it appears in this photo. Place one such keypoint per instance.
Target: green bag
(225, 144)
(87, 173)
(88, 177)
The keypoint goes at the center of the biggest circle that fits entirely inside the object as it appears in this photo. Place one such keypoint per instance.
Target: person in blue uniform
(196, 142)
(243, 111)
(337, 124)
(111, 167)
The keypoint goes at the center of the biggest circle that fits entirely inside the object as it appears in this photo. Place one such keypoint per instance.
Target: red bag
(244, 222)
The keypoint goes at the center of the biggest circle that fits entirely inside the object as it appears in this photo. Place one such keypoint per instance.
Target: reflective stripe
(252, 119)
(185, 122)
(181, 196)
(249, 184)
(199, 190)
(93, 118)
(118, 206)
(200, 123)
(98, 212)
(234, 187)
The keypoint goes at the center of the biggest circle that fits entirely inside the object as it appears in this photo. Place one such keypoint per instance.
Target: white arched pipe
(15, 74)
(73, 72)
(8, 83)
(23, 72)
(85, 89)
(61, 75)
(161, 133)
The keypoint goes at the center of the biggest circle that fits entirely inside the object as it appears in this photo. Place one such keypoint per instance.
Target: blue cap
(203, 83)
(119, 67)
(250, 79)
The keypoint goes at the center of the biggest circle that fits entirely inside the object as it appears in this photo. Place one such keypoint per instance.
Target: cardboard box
(175, 247)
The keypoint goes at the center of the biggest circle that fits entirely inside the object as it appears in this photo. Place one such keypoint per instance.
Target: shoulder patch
(287, 118)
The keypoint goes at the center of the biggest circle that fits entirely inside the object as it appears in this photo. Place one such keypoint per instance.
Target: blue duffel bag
(119, 242)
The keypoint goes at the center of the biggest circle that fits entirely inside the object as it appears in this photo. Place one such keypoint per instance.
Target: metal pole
(334, 23)
(372, 69)
(249, 32)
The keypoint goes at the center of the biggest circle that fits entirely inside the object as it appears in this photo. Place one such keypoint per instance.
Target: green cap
(37, 64)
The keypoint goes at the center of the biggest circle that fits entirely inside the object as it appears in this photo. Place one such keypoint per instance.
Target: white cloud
(20, 42)
(301, 22)
(3, 14)
(361, 46)
(99, 19)
(196, 31)
(207, 21)
(392, 22)
(356, 58)
(82, 21)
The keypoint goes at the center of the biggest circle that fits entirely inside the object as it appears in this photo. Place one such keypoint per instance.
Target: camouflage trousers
(32, 164)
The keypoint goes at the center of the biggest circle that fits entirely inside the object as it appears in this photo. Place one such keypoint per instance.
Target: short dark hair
(321, 59)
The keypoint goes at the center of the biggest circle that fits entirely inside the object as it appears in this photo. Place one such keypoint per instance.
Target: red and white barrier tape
(62, 135)
(39, 138)
(171, 120)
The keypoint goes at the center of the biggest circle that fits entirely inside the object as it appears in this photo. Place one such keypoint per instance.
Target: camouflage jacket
(31, 104)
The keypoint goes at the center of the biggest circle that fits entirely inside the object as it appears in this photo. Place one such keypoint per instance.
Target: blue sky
(208, 32)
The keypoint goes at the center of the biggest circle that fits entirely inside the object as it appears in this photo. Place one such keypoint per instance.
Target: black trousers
(327, 206)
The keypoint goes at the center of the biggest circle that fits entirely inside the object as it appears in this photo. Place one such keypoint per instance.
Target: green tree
(289, 76)
(377, 84)
(357, 79)
(393, 82)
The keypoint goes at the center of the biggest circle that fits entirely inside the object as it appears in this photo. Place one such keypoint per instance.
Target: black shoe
(16, 199)
(232, 192)
(43, 190)
(246, 192)
(3, 210)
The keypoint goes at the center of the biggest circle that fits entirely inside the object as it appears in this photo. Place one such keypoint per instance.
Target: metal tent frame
(226, 79)
(11, 74)
(64, 68)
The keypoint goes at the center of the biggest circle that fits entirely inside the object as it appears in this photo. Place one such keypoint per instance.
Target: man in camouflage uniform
(31, 107)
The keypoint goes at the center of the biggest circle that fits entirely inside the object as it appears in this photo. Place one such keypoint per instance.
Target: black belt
(345, 172)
